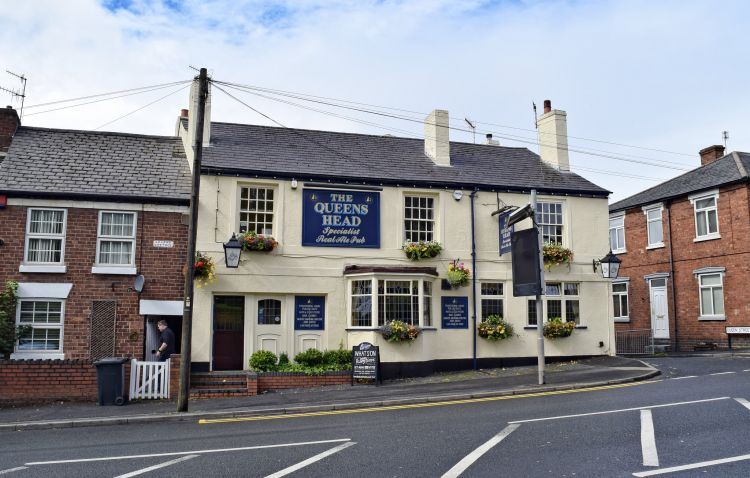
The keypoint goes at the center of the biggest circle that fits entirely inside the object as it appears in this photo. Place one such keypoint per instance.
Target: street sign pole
(539, 305)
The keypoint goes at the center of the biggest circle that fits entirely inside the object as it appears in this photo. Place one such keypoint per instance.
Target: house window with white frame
(45, 236)
(41, 325)
(549, 216)
(654, 228)
(711, 288)
(706, 216)
(256, 210)
(491, 296)
(419, 218)
(620, 301)
(617, 234)
(406, 299)
(115, 242)
(561, 300)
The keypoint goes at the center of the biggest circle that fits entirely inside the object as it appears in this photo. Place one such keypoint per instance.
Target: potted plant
(458, 274)
(495, 328)
(554, 254)
(398, 331)
(251, 241)
(555, 328)
(204, 269)
(422, 250)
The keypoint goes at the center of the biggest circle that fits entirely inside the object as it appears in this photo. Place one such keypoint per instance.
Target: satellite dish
(138, 285)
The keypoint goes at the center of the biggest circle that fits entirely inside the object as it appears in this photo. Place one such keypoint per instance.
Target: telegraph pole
(539, 305)
(187, 313)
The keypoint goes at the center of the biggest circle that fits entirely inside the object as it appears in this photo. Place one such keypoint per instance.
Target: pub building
(340, 208)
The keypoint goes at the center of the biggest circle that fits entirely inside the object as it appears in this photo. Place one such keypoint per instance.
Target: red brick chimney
(9, 123)
(547, 106)
(711, 154)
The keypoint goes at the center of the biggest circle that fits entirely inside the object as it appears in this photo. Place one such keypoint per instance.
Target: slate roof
(728, 169)
(263, 150)
(68, 164)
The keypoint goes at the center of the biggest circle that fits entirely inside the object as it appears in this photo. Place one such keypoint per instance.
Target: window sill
(659, 245)
(709, 237)
(620, 251)
(712, 318)
(624, 320)
(129, 271)
(37, 356)
(48, 268)
(529, 327)
(377, 329)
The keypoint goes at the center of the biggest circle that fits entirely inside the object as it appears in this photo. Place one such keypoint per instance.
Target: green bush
(263, 361)
(340, 357)
(310, 358)
(283, 359)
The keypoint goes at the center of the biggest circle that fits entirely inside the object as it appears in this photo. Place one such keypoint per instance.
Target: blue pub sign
(455, 312)
(309, 312)
(340, 218)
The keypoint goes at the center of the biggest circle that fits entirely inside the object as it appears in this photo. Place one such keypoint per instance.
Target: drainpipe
(473, 281)
(668, 205)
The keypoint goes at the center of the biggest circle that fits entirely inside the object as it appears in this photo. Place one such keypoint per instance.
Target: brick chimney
(436, 138)
(552, 128)
(9, 123)
(711, 154)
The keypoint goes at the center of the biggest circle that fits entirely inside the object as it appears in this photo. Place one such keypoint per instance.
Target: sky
(645, 84)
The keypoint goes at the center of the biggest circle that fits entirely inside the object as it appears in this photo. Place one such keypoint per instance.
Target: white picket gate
(149, 379)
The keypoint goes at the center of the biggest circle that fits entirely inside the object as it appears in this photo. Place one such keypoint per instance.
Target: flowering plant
(204, 269)
(422, 249)
(554, 253)
(555, 328)
(398, 331)
(257, 242)
(495, 328)
(458, 274)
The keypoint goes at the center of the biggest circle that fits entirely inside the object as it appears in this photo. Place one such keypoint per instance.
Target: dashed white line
(312, 459)
(748, 370)
(743, 402)
(156, 467)
(686, 376)
(469, 459)
(692, 466)
(648, 440)
(721, 373)
(11, 470)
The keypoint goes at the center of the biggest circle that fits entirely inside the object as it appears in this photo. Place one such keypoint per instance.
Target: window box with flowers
(204, 269)
(555, 328)
(251, 241)
(398, 331)
(416, 251)
(555, 254)
(495, 328)
(458, 274)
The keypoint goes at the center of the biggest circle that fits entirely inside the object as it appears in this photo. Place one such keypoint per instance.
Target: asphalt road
(696, 415)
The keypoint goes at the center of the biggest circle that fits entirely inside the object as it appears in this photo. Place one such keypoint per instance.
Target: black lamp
(610, 265)
(232, 250)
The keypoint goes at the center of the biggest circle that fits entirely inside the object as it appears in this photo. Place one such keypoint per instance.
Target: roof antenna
(15, 93)
(533, 105)
(725, 137)
(473, 129)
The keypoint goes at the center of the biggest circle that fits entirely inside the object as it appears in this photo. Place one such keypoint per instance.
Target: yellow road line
(419, 405)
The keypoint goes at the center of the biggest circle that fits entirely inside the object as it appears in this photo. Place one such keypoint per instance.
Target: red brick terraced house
(686, 257)
(83, 216)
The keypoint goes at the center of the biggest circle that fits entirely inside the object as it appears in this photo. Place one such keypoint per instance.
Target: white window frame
(275, 204)
(41, 354)
(434, 220)
(705, 213)
(618, 228)
(540, 219)
(374, 311)
(48, 267)
(483, 297)
(126, 269)
(699, 275)
(648, 212)
(617, 296)
(562, 297)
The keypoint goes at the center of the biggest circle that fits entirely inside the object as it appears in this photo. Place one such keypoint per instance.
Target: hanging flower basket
(204, 269)
(251, 241)
(416, 251)
(495, 328)
(555, 328)
(458, 274)
(398, 331)
(555, 254)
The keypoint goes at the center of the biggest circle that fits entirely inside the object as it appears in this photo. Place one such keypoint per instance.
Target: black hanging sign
(366, 362)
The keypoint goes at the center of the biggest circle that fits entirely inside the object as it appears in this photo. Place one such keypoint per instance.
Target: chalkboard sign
(366, 362)
(455, 312)
(309, 312)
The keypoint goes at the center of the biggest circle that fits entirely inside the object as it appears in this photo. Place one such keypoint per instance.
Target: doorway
(659, 309)
(228, 332)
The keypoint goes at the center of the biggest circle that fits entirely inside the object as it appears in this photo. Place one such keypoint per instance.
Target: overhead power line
(142, 107)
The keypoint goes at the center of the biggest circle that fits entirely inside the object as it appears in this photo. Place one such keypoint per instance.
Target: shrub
(555, 328)
(263, 361)
(310, 358)
(283, 359)
(340, 357)
(495, 328)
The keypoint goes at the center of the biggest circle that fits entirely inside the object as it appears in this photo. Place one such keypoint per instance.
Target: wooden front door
(228, 332)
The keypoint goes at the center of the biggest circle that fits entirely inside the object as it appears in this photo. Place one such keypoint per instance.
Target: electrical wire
(142, 107)
(105, 94)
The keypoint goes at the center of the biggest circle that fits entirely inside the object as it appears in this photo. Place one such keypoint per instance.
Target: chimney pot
(711, 154)
(183, 113)
(491, 141)
(547, 106)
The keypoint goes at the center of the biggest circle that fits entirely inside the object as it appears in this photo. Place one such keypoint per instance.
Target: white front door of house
(659, 311)
(271, 324)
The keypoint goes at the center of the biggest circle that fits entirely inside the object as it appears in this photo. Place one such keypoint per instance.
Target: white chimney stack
(490, 141)
(436, 138)
(552, 128)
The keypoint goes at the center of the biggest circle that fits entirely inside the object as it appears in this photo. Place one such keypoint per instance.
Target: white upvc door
(270, 317)
(659, 311)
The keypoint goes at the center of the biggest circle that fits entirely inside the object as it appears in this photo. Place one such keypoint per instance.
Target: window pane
(256, 210)
(616, 305)
(711, 279)
(418, 218)
(269, 312)
(572, 313)
(115, 252)
(704, 203)
(571, 288)
(531, 312)
(718, 295)
(44, 250)
(362, 311)
(713, 226)
(706, 306)
(619, 288)
(624, 306)
(655, 234)
(553, 289)
(700, 221)
(492, 288)
(229, 313)
(46, 222)
(554, 309)
(492, 307)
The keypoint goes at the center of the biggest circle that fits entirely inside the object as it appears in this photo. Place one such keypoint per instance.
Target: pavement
(593, 372)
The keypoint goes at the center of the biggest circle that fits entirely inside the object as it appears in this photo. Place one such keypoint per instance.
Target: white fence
(149, 379)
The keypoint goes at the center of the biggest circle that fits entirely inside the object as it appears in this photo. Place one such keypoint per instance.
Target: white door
(271, 324)
(659, 313)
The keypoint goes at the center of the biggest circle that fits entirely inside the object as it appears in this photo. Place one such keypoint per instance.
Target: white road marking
(469, 459)
(648, 440)
(156, 467)
(620, 410)
(743, 402)
(748, 370)
(721, 373)
(11, 470)
(692, 466)
(686, 376)
(178, 453)
(311, 460)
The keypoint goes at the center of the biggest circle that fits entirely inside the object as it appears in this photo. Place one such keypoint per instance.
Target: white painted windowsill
(712, 317)
(37, 356)
(708, 237)
(624, 320)
(45, 268)
(658, 245)
(128, 271)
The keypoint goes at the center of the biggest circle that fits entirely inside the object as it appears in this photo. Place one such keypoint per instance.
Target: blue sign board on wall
(455, 312)
(505, 233)
(338, 218)
(309, 312)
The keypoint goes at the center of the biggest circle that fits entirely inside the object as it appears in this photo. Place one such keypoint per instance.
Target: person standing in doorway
(166, 341)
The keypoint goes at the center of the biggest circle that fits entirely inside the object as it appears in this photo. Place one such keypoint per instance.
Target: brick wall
(162, 269)
(280, 381)
(731, 251)
(9, 122)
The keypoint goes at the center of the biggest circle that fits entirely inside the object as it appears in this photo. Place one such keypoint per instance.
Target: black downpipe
(668, 204)
(473, 279)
